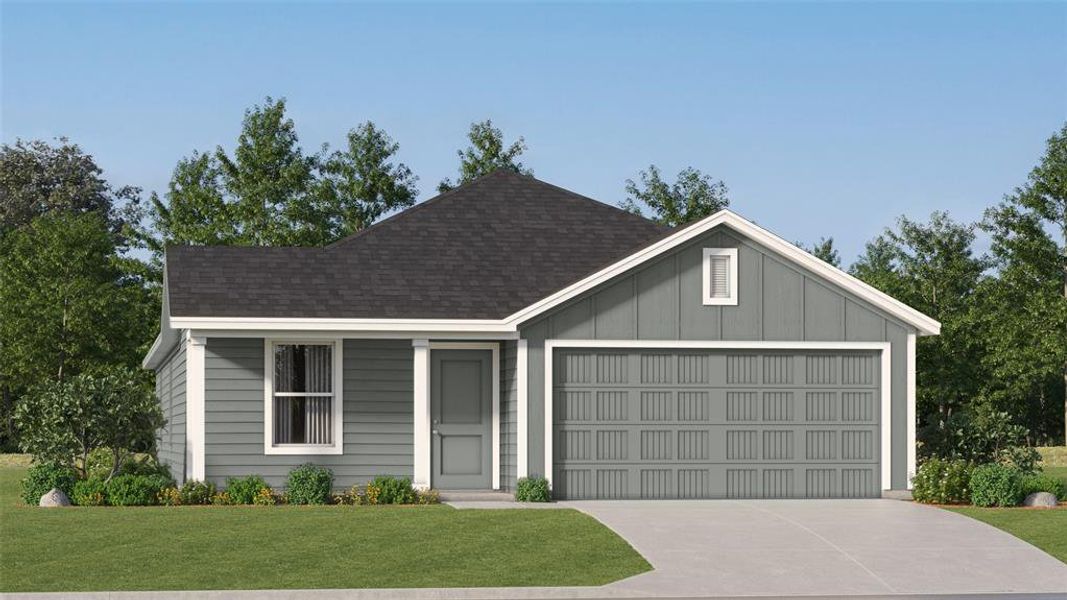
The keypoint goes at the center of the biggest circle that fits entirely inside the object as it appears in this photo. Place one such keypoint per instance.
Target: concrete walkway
(820, 547)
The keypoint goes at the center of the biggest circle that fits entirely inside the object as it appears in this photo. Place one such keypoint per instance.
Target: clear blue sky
(823, 119)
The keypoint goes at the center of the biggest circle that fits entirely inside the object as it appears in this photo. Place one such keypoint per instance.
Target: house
(713, 360)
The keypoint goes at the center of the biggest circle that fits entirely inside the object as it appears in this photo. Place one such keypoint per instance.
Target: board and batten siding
(509, 411)
(170, 391)
(377, 413)
(662, 300)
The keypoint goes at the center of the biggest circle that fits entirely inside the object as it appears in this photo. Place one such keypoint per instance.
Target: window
(303, 406)
(720, 276)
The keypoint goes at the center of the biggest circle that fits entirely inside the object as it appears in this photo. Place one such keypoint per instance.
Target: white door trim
(495, 349)
(885, 348)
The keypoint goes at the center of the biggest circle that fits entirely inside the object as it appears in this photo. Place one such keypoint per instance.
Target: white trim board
(494, 348)
(195, 364)
(885, 374)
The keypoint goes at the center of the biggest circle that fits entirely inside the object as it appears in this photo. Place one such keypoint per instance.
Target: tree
(63, 421)
(487, 153)
(270, 193)
(692, 197)
(1023, 308)
(825, 251)
(37, 178)
(931, 267)
(361, 183)
(65, 303)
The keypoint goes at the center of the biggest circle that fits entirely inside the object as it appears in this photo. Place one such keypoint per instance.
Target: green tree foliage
(37, 179)
(66, 304)
(270, 193)
(931, 267)
(62, 422)
(1022, 309)
(487, 153)
(691, 197)
(825, 251)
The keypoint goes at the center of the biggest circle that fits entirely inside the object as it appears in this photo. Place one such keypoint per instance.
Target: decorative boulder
(1041, 499)
(55, 497)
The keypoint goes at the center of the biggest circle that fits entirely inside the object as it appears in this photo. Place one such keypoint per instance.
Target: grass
(1044, 528)
(293, 547)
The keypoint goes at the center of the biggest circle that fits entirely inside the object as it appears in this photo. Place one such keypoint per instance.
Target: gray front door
(461, 427)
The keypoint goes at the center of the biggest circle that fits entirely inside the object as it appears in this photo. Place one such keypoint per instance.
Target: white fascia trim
(710, 300)
(331, 334)
(884, 348)
(495, 400)
(435, 326)
(522, 383)
(925, 324)
(195, 350)
(338, 445)
(421, 459)
(912, 416)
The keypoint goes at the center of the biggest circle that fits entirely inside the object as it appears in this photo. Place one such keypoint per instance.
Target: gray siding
(378, 413)
(170, 390)
(509, 404)
(662, 300)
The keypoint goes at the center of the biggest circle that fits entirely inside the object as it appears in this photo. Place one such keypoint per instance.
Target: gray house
(511, 328)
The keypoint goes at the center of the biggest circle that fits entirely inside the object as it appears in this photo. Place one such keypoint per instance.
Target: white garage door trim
(886, 379)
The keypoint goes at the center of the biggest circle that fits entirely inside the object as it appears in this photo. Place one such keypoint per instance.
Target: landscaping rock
(1041, 499)
(55, 497)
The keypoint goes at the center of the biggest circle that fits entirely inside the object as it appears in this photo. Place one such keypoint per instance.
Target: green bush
(243, 490)
(980, 434)
(169, 496)
(386, 489)
(942, 482)
(90, 492)
(135, 490)
(995, 484)
(428, 497)
(44, 476)
(309, 484)
(533, 489)
(265, 497)
(1039, 482)
(196, 492)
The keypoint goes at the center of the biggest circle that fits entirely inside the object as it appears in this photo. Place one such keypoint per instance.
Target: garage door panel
(715, 424)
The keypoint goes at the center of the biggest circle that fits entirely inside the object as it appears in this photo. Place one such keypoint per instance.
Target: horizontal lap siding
(378, 413)
(777, 301)
(170, 391)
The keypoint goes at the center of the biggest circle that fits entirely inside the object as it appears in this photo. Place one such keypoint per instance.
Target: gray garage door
(715, 424)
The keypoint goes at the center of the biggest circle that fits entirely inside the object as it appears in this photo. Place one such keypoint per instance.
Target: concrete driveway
(820, 547)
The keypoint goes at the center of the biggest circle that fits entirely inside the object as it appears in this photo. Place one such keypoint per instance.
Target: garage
(716, 423)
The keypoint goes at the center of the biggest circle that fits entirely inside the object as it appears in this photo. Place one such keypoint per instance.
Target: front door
(460, 412)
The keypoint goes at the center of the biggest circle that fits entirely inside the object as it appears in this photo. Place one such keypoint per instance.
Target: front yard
(247, 547)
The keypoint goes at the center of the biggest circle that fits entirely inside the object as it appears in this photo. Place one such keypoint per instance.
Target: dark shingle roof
(482, 251)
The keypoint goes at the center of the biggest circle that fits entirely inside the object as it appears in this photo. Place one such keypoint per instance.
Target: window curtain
(303, 369)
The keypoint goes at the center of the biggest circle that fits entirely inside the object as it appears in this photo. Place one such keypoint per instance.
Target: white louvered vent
(719, 273)
(720, 276)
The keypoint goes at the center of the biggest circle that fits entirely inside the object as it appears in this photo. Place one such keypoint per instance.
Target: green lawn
(1044, 528)
(180, 548)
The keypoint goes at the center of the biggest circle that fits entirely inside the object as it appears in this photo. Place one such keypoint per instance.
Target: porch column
(421, 471)
(194, 406)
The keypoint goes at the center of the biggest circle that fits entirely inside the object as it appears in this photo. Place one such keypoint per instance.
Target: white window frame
(709, 300)
(337, 414)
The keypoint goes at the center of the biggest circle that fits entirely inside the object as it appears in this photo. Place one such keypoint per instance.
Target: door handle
(435, 432)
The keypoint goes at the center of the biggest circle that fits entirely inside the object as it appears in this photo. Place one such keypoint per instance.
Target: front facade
(621, 361)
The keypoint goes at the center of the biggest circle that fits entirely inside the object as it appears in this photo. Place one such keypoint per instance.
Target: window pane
(303, 368)
(303, 420)
(720, 276)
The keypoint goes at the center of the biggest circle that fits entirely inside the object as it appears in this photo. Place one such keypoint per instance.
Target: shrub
(44, 476)
(90, 492)
(943, 482)
(390, 490)
(533, 489)
(196, 492)
(243, 490)
(135, 490)
(265, 497)
(981, 434)
(428, 497)
(221, 499)
(995, 484)
(169, 496)
(1039, 482)
(309, 484)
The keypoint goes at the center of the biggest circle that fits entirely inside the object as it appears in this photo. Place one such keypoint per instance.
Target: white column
(421, 471)
(496, 416)
(548, 399)
(522, 374)
(194, 406)
(911, 407)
